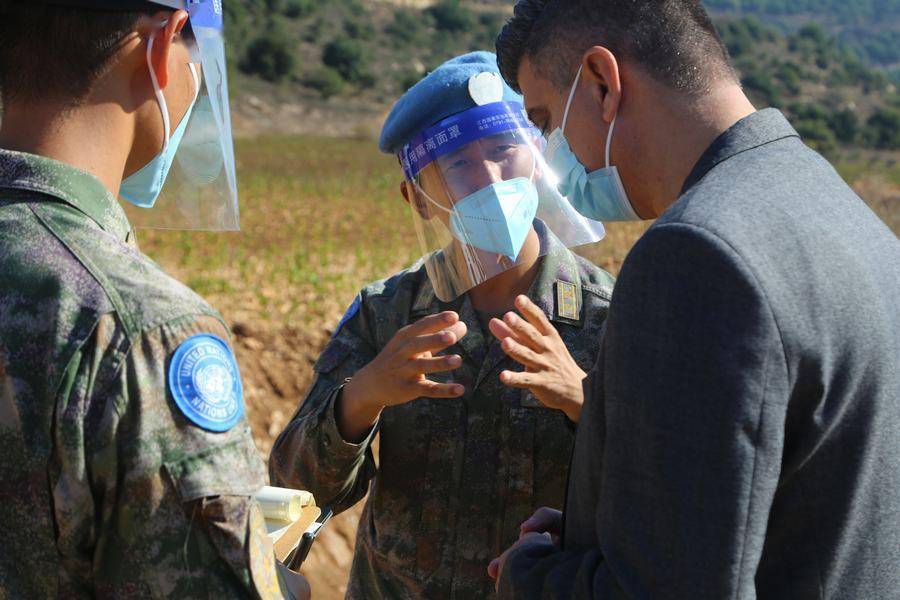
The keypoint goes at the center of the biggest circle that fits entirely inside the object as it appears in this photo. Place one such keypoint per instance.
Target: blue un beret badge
(206, 384)
(486, 88)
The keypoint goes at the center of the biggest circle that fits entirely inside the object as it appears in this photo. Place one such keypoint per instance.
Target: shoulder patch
(351, 312)
(206, 384)
(566, 300)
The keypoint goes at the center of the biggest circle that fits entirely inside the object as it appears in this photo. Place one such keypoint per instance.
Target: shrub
(760, 85)
(359, 30)
(326, 81)
(845, 125)
(818, 135)
(450, 15)
(884, 129)
(348, 58)
(406, 28)
(298, 9)
(270, 57)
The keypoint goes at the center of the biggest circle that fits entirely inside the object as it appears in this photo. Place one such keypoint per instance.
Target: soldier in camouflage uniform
(108, 486)
(463, 459)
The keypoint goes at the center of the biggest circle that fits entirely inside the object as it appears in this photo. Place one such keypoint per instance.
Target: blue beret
(442, 93)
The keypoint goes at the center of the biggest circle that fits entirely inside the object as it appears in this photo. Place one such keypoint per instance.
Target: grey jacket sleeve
(310, 453)
(679, 449)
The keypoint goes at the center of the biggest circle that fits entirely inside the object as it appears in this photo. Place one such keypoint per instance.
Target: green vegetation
(831, 97)
(871, 28)
(375, 51)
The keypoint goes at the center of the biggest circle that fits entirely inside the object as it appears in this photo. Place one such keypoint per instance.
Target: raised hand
(551, 374)
(400, 373)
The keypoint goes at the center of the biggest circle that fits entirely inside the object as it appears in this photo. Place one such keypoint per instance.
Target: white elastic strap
(196, 82)
(160, 99)
(612, 126)
(476, 273)
(571, 96)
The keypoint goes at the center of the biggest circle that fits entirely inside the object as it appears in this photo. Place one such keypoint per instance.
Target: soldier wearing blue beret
(464, 458)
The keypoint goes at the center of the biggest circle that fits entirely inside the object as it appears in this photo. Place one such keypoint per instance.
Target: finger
(543, 519)
(493, 568)
(500, 329)
(533, 313)
(434, 342)
(435, 365)
(432, 389)
(522, 354)
(429, 324)
(525, 332)
(522, 380)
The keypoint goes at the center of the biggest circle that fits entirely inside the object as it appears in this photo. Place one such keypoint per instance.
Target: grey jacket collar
(755, 130)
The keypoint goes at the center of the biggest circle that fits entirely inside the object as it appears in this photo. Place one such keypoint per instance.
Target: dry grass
(321, 217)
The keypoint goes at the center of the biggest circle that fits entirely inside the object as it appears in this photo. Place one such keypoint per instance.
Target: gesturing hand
(400, 372)
(544, 520)
(551, 374)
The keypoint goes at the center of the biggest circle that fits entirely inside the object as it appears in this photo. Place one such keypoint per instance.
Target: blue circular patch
(206, 384)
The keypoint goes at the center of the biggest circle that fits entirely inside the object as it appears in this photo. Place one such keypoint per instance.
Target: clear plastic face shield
(484, 200)
(199, 189)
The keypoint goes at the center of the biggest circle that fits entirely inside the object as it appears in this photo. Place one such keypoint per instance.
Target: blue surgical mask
(496, 218)
(143, 187)
(598, 195)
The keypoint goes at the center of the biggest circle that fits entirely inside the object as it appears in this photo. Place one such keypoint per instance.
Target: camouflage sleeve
(176, 515)
(311, 453)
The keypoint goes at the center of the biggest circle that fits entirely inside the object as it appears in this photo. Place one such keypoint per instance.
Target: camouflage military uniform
(106, 489)
(455, 477)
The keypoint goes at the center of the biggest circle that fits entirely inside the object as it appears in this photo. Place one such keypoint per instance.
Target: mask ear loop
(612, 127)
(160, 98)
(565, 120)
(571, 97)
(473, 265)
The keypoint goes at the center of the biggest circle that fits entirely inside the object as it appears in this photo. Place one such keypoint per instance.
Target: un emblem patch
(206, 384)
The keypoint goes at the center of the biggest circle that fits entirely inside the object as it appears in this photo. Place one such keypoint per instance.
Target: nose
(486, 172)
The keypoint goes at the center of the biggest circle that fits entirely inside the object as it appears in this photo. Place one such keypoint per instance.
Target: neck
(498, 294)
(678, 132)
(93, 138)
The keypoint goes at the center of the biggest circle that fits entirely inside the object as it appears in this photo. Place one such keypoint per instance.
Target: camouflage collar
(558, 271)
(82, 191)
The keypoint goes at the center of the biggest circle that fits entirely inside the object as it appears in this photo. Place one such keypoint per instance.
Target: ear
(413, 199)
(162, 43)
(601, 70)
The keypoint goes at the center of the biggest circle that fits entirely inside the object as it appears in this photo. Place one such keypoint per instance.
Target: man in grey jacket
(740, 435)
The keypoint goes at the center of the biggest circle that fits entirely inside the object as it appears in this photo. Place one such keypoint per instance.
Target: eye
(504, 149)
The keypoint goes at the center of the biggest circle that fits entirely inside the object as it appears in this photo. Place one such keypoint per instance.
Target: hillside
(335, 67)
(871, 28)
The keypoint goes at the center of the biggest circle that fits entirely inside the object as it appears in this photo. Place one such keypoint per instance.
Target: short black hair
(672, 40)
(57, 53)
